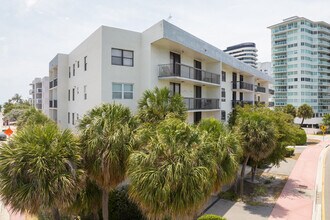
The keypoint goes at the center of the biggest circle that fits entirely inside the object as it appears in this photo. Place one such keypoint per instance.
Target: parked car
(3, 137)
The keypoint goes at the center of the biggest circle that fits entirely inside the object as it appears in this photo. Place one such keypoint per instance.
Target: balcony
(271, 91)
(260, 89)
(243, 85)
(50, 104)
(179, 70)
(240, 103)
(53, 104)
(53, 83)
(201, 104)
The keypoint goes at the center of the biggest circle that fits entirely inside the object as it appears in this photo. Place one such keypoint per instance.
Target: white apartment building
(301, 64)
(115, 65)
(245, 52)
(40, 94)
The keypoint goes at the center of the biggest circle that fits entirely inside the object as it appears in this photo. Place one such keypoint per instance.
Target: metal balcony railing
(260, 89)
(240, 103)
(188, 72)
(243, 85)
(201, 103)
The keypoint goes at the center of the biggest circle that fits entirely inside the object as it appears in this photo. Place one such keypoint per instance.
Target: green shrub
(301, 137)
(289, 152)
(121, 208)
(211, 217)
(228, 195)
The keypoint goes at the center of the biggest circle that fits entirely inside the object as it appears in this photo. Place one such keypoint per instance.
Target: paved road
(326, 192)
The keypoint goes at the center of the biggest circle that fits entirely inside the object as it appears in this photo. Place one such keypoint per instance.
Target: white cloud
(30, 3)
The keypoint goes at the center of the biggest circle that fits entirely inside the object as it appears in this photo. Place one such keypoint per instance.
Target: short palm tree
(226, 149)
(17, 98)
(105, 134)
(40, 169)
(173, 174)
(304, 111)
(156, 104)
(259, 136)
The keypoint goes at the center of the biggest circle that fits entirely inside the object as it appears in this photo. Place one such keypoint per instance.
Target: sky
(32, 32)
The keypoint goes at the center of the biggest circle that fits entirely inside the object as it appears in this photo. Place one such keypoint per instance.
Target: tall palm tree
(40, 168)
(259, 136)
(173, 173)
(226, 150)
(156, 104)
(106, 133)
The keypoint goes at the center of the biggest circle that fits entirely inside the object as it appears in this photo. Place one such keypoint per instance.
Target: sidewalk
(296, 199)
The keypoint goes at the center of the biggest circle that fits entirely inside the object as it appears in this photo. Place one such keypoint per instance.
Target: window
(72, 118)
(73, 70)
(175, 88)
(77, 64)
(69, 95)
(122, 57)
(223, 95)
(223, 76)
(72, 94)
(85, 92)
(223, 115)
(68, 117)
(85, 63)
(122, 91)
(69, 72)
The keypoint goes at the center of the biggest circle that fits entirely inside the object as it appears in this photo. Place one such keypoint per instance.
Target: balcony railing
(184, 71)
(243, 85)
(240, 103)
(53, 83)
(201, 103)
(260, 89)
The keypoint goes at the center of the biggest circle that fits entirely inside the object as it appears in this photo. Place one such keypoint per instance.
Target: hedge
(211, 217)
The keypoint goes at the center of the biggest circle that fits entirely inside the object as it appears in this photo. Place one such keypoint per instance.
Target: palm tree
(40, 169)
(106, 132)
(304, 111)
(173, 173)
(290, 109)
(156, 104)
(17, 98)
(259, 136)
(225, 147)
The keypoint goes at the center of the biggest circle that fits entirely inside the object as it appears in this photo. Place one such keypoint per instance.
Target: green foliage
(300, 137)
(224, 146)
(289, 151)
(211, 217)
(156, 104)
(305, 111)
(228, 195)
(32, 116)
(290, 109)
(326, 119)
(40, 168)
(173, 173)
(121, 208)
(260, 190)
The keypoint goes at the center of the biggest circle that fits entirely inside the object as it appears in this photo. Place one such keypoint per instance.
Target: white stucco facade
(115, 65)
(40, 94)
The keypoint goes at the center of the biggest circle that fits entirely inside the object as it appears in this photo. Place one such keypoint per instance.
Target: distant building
(116, 66)
(245, 52)
(265, 67)
(301, 64)
(40, 94)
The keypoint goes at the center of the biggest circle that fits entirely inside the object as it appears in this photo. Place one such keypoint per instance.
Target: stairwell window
(122, 57)
(122, 91)
(223, 76)
(223, 95)
(85, 92)
(85, 63)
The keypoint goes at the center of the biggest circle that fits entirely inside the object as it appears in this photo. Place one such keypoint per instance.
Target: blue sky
(32, 32)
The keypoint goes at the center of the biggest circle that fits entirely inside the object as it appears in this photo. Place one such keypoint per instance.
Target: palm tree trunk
(56, 214)
(302, 122)
(242, 175)
(253, 172)
(105, 207)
